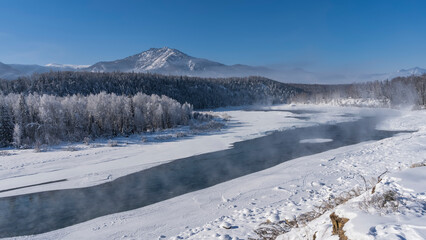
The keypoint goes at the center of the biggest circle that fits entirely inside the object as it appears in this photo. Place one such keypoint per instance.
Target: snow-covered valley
(99, 163)
(242, 204)
(212, 120)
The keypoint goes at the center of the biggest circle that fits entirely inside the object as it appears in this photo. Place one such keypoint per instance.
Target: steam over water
(46, 211)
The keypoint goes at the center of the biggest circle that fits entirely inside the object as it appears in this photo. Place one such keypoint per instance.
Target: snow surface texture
(97, 163)
(316, 140)
(233, 209)
(403, 217)
(357, 102)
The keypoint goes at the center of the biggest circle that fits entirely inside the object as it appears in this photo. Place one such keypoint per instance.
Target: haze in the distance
(304, 41)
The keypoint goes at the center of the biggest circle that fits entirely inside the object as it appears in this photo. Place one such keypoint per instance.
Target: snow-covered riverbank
(278, 193)
(88, 165)
(396, 210)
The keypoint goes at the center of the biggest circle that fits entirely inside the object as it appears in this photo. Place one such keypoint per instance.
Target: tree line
(398, 91)
(200, 92)
(69, 106)
(35, 119)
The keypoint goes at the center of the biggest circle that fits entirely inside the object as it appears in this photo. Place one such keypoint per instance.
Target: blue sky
(331, 36)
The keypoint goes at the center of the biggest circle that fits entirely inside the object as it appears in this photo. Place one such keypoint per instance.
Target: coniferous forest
(398, 91)
(202, 93)
(69, 106)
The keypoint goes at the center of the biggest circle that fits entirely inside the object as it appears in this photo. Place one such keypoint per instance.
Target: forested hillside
(401, 90)
(69, 106)
(200, 92)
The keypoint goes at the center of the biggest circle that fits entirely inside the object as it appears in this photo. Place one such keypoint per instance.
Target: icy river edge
(288, 188)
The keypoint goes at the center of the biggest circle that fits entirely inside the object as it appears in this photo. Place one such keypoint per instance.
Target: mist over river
(46, 211)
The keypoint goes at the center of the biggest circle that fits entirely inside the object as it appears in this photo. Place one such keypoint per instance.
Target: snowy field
(243, 204)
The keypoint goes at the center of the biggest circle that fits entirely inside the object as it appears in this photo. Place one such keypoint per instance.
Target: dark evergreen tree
(200, 92)
(6, 126)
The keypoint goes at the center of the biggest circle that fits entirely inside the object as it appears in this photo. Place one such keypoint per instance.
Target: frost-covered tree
(47, 119)
(401, 90)
(22, 126)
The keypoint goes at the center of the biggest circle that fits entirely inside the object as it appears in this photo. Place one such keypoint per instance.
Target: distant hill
(8, 72)
(415, 71)
(14, 71)
(170, 61)
(165, 61)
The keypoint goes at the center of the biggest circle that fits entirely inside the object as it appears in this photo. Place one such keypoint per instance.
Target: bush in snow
(207, 126)
(71, 148)
(381, 202)
(419, 164)
(86, 141)
(112, 143)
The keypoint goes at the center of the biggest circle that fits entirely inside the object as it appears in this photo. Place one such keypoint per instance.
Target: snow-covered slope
(95, 165)
(281, 192)
(174, 62)
(396, 210)
(155, 59)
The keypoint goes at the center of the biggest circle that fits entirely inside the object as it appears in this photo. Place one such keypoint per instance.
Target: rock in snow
(225, 225)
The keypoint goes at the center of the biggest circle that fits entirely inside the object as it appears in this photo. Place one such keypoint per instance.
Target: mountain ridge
(170, 61)
(167, 61)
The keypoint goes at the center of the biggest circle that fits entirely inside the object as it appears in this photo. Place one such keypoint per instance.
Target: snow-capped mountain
(155, 60)
(174, 62)
(416, 71)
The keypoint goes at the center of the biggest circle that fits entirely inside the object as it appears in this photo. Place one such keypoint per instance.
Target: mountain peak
(163, 50)
(160, 49)
(171, 61)
(164, 60)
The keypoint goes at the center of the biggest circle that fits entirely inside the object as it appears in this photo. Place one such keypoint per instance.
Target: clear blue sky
(370, 36)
